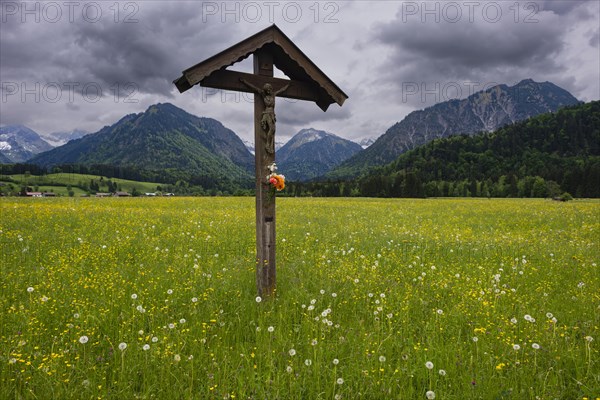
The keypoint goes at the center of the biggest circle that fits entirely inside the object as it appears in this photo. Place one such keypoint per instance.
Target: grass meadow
(154, 298)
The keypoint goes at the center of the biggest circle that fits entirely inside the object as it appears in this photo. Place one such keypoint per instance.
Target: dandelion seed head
(340, 381)
(429, 365)
(122, 346)
(430, 394)
(83, 339)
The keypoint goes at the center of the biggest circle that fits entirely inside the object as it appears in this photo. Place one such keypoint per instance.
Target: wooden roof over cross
(309, 82)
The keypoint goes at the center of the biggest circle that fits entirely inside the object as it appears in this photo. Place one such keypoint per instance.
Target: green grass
(369, 291)
(75, 179)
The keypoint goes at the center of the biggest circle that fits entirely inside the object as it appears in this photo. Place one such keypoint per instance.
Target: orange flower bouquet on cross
(276, 180)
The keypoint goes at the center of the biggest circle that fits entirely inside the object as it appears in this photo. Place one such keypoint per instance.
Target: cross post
(265, 201)
(269, 47)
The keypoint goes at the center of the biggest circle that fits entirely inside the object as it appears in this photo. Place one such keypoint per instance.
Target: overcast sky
(85, 64)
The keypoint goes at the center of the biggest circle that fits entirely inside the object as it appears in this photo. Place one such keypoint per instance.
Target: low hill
(82, 181)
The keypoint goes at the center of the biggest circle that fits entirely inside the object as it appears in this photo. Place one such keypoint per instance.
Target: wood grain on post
(265, 200)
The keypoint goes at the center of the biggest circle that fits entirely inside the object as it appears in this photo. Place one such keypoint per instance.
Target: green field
(154, 298)
(61, 180)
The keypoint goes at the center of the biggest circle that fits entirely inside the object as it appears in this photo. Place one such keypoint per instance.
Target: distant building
(150, 194)
(103, 194)
(33, 194)
(121, 194)
(49, 194)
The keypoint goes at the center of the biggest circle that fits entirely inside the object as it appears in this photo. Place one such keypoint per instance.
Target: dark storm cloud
(594, 38)
(371, 50)
(560, 7)
(459, 56)
(148, 51)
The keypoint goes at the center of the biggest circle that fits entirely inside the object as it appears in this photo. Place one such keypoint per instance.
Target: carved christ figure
(267, 121)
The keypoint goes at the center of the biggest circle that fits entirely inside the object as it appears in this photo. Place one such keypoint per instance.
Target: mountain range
(165, 139)
(484, 111)
(176, 145)
(19, 143)
(312, 153)
(168, 139)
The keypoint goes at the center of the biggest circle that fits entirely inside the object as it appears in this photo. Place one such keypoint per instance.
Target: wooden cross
(269, 47)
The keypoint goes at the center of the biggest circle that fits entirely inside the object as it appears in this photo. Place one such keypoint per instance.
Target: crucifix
(269, 47)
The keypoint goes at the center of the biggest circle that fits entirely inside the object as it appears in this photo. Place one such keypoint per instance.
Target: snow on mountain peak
(312, 135)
